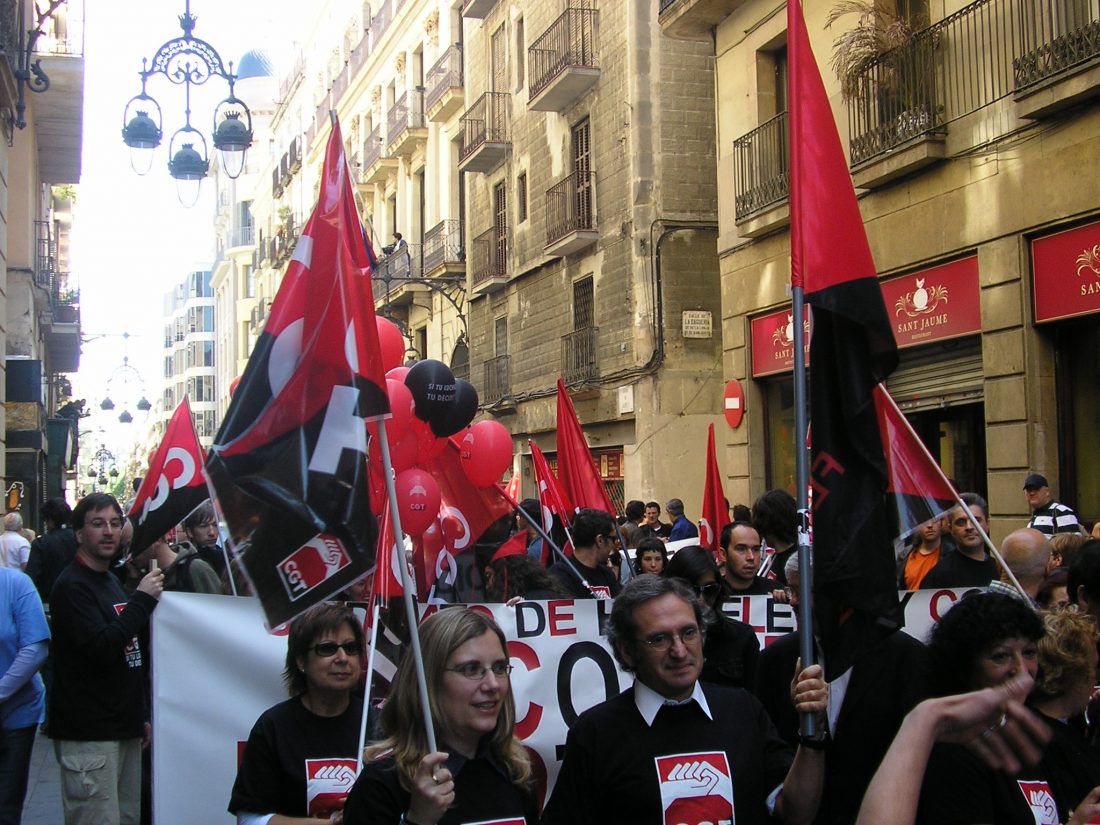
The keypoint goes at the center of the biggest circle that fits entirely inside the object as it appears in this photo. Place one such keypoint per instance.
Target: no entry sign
(733, 402)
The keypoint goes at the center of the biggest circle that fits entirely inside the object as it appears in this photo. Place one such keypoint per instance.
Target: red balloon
(403, 454)
(418, 500)
(391, 342)
(401, 412)
(233, 385)
(486, 452)
(398, 374)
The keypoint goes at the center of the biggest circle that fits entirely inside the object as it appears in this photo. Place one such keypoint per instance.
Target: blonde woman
(481, 772)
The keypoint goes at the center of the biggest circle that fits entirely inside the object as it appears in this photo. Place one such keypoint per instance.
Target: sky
(132, 240)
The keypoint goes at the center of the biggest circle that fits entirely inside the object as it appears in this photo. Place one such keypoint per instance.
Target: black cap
(1035, 481)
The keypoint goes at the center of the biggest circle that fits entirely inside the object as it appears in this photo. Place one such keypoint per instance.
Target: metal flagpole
(557, 550)
(808, 723)
(229, 535)
(958, 499)
(366, 692)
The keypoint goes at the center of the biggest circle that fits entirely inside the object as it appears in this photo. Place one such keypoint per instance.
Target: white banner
(216, 669)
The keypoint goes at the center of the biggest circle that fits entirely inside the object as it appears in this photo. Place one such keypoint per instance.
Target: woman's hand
(1087, 810)
(433, 790)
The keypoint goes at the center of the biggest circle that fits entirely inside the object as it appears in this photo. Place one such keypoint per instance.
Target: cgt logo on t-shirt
(133, 650)
(328, 783)
(1038, 797)
(696, 788)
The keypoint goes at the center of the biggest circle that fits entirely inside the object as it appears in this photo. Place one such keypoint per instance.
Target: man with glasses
(594, 540)
(969, 565)
(98, 705)
(670, 749)
(740, 553)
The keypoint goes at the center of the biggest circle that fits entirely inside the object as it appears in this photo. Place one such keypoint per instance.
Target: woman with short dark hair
(319, 722)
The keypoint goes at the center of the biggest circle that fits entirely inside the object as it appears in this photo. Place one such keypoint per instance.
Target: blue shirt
(682, 528)
(22, 623)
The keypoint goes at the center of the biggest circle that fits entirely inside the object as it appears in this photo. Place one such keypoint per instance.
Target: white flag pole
(366, 692)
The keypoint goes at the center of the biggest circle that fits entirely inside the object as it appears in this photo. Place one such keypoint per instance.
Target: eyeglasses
(100, 523)
(326, 650)
(707, 590)
(663, 641)
(475, 671)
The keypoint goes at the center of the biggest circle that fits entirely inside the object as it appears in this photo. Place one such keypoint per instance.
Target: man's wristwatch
(404, 820)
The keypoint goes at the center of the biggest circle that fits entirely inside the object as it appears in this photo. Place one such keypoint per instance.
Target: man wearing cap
(1048, 516)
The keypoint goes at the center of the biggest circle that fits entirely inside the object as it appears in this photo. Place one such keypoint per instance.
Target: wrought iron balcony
(380, 22)
(489, 260)
(761, 166)
(563, 62)
(498, 379)
(242, 236)
(444, 252)
(486, 132)
(406, 128)
(1059, 39)
(377, 165)
(394, 277)
(444, 90)
(580, 356)
(570, 218)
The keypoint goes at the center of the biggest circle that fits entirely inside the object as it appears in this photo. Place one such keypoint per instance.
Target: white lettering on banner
(341, 430)
(186, 474)
(563, 666)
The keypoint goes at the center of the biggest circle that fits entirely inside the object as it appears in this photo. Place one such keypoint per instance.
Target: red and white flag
(553, 500)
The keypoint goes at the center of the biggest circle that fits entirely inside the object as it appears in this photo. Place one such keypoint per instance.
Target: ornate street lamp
(187, 61)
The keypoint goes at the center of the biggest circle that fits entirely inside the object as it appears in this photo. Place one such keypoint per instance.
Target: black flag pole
(808, 723)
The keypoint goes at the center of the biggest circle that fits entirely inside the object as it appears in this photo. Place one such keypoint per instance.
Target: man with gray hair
(670, 748)
(14, 547)
(682, 528)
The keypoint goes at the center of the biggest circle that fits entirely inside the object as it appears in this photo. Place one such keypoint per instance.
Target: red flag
(851, 350)
(514, 546)
(386, 584)
(174, 484)
(920, 490)
(512, 488)
(576, 467)
(716, 514)
(472, 510)
(289, 461)
(553, 499)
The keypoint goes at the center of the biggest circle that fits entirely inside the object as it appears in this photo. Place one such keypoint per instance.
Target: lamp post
(187, 61)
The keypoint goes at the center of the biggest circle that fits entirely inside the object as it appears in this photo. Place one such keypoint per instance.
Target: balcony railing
(242, 236)
(445, 74)
(571, 42)
(339, 84)
(403, 263)
(406, 113)
(380, 23)
(45, 255)
(498, 379)
(579, 351)
(489, 260)
(1064, 34)
(569, 206)
(372, 148)
(487, 121)
(762, 163)
(443, 245)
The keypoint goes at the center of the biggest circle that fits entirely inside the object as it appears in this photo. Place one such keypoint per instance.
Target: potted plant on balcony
(885, 63)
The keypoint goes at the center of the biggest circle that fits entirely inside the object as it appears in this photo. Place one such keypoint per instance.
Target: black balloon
(460, 413)
(432, 385)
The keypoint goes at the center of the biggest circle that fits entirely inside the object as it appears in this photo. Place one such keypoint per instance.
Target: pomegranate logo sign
(1039, 798)
(921, 301)
(784, 335)
(313, 563)
(328, 782)
(696, 789)
(1089, 261)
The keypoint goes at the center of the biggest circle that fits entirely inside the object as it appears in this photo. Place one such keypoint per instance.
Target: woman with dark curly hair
(320, 721)
(984, 641)
(730, 648)
(481, 772)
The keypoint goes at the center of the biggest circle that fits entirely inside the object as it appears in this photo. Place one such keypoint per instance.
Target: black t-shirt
(959, 789)
(273, 775)
(958, 571)
(730, 653)
(618, 770)
(483, 794)
(1071, 763)
(99, 688)
(760, 586)
(601, 579)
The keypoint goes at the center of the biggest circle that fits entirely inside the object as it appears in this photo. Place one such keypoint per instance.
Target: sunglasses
(707, 590)
(326, 650)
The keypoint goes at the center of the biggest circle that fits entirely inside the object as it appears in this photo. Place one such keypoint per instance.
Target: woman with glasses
(318, 724)
(481, 772)
(731, 649)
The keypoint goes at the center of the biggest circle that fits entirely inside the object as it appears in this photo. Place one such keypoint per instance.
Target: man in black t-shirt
(671, 750)
(969, 565)
(740, 553)
(593, 534)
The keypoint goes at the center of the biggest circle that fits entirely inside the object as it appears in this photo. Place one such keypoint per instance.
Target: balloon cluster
(428, 405)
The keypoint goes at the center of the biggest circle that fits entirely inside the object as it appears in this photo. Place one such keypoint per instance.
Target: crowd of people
(988, 720)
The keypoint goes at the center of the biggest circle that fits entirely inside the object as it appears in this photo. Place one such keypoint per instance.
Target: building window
(521, 53)
(583, 304)
(500, 336)
(521, 197)
(498, 61)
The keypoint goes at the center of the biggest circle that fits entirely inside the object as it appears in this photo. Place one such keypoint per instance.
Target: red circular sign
(733, 401)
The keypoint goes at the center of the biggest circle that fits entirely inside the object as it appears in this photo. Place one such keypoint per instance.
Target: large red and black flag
(174, 484)
(852, 349)
(577, 472)
(289, 463)
(917, 487)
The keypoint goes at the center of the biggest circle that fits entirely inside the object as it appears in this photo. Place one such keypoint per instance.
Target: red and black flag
(852, 349)
(289, 463)
(174, 484)
(918, 489)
